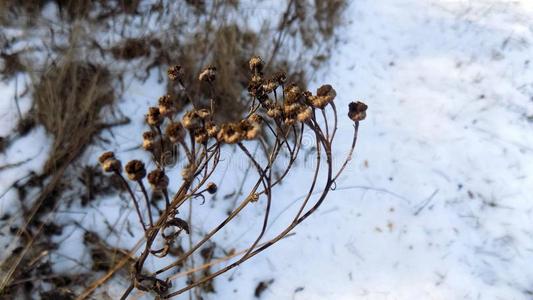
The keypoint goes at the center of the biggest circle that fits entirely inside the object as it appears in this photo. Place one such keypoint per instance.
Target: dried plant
(67, 62)
(283, 111)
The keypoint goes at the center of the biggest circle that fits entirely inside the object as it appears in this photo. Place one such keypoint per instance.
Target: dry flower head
(357, 111)
(157, 179)
(135, 170)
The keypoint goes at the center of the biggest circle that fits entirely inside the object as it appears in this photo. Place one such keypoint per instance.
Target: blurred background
(435, 204)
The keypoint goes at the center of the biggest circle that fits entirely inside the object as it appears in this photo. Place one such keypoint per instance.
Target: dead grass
(12, 10)
(69, 99)
(12, 65)
(131, 48)
(27, 12)
(234, 46)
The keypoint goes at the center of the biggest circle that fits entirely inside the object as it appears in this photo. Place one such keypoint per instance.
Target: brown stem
(132, 195)
(147, 200)
(167, 200)
(325, 191)
(349, 157)
(162, 152)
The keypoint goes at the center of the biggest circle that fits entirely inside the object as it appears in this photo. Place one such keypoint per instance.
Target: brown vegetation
(202, 141)
(80, 80)
(69, 100)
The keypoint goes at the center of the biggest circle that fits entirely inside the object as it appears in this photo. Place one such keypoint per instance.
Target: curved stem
(132, 195)
(147, 200)
(350, 153)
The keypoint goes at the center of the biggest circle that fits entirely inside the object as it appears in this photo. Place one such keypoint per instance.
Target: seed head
(212, 129)
(175, 73)
(158, 179)
(255, 85)
(279, 77)
(255, 118)
(318, 101)
(269, 86)
(324, 95)
(109, 163)
(200, 135)
(326, 90)
(166, 106)
(208, 74)
(135, 170)
(292, 93)
(256, 64)
(249, 129)
(274, 111)
(154, 117)
(191, 120)
(253, 132)
(203, 113)
(211, 188)
(230, 133)
(175, 132)
(149, 140)
(105, 156)
(289, 120)
(357, 111)
(291, 109)
(304, 114)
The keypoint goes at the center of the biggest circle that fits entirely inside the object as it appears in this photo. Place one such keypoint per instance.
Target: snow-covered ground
(436, 203)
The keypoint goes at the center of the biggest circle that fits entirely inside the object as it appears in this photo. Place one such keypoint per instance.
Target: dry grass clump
(233, 48)
(69, 99)
(12, 10)
(197, 33)
(27, 12)
(309, 27)
(11, 65)
(131, 48)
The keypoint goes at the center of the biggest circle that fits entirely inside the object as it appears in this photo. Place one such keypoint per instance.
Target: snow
(449, 89)
(436, 203)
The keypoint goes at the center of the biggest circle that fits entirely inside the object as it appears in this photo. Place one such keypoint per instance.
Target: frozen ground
(437, 201)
